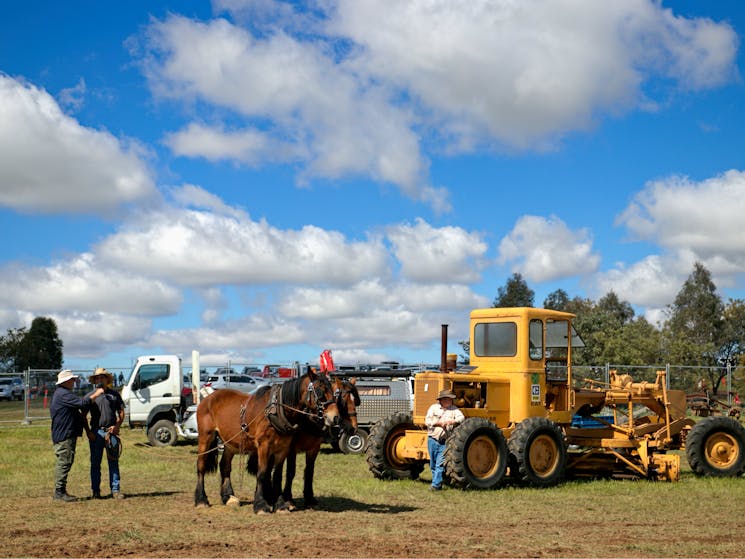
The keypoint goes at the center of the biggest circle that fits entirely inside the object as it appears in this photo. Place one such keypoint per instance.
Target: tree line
(699, 330)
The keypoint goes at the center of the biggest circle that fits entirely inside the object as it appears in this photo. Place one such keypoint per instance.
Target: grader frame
(522, 407)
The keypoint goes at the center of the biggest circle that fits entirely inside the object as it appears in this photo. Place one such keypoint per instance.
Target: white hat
(64, 376)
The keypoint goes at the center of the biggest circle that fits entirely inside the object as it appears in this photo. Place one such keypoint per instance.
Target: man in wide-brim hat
(106, 418)
(67, 425)
(440, 420)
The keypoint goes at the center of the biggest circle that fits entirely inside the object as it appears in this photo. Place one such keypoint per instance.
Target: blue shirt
(67, 421)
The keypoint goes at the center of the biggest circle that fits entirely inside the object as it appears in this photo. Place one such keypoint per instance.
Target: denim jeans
(65, 453)
(98, 447)
(436, 461)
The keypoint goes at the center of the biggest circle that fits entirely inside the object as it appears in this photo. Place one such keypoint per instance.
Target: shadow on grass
(141, 495)
(342, 504)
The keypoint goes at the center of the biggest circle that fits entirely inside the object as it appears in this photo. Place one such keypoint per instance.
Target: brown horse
(265, 424)
(309, 442)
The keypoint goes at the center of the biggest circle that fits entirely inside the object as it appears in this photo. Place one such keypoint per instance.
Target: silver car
(11, 388)
(244, 383)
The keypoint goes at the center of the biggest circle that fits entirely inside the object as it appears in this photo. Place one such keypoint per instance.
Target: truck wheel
(381, 447)
(354, 443)
(716, 447)
(538, 451)
(162, 433)
(476, 455)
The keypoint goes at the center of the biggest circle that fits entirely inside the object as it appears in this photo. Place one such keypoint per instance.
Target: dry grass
(360, 516)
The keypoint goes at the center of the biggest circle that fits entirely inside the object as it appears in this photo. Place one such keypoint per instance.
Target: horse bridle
(317, 394)
(339, 395)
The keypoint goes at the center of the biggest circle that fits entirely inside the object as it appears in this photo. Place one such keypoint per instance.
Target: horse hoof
(262, 511)
(233, 501)
(202, 506)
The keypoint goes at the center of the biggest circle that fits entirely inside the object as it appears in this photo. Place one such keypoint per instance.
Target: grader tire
(538, 452)
(476, 455)
(381, 443)
(715, 447)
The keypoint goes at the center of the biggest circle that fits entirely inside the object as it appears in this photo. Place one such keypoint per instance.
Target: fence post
(26, 387)
(607, 374)
(729, 384)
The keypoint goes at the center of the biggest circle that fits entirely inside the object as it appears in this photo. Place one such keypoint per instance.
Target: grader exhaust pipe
(444, 349)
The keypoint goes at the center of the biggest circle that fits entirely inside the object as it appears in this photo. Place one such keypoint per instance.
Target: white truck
(155, 399)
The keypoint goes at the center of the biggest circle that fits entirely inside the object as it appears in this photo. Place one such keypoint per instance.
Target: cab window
(152, 374)
(495, 339)
(536, 339)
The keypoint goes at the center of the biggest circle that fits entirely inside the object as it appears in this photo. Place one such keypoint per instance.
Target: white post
(195, 375)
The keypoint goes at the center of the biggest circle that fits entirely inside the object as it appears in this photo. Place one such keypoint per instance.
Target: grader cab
(529, 420)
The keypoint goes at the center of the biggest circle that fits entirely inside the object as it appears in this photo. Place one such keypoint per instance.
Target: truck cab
(153, 397)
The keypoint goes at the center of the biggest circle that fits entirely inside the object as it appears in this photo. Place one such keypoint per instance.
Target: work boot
(96, 495)
(64, 496)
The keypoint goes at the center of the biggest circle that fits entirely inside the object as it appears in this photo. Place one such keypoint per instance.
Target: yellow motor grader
(528, 420)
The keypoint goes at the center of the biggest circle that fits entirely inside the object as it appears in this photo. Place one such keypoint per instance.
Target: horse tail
(252, 463)
(210, 454)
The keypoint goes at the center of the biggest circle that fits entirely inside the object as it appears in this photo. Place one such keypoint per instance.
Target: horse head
(347, 400)
(319, 397)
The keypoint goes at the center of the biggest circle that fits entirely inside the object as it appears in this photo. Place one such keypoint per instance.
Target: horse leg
(263, 494)
(310, 468)
(226, 488)
(285, 502)
(206, 462)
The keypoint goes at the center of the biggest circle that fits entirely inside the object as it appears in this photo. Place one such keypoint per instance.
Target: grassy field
(359, 516)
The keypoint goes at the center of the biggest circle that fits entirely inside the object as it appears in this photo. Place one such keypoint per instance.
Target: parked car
(244, 383)
(11, 388)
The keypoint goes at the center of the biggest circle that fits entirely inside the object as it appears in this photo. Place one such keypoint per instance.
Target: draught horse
(264, 424)
(309, 441)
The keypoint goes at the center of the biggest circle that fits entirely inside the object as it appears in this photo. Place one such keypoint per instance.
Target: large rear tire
(539, 452)
(381, 448)
(476, 455)
(162, 433)
(715, 447)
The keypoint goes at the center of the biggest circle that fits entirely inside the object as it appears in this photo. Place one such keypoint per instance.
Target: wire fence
(39, 384)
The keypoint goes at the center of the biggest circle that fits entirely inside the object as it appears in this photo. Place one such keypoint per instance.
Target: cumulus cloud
(199, 248)
(431, 254)
(49, 163)
(357, 87)
(320, 113)
(92, 334)
(546, 249)
(691, 222)
(523, 73)
(704, 217)
(84, 284)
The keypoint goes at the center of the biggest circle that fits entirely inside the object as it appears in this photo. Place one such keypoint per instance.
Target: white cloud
(362, 298)
(652, 282)
(433, 254)
(50, 163)
(692, 222)
(93, 334)
(319, 111)
(84, 284)
(546, 249)
(522, 73)
(198, 248)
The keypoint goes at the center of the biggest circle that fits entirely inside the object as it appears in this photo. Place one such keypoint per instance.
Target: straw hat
(64, 376)
(101, 372)
(445, 394)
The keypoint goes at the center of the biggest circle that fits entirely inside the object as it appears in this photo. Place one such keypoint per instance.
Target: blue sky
(260, 180)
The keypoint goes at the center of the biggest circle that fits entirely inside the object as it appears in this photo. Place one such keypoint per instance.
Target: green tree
(41, 347)
(515, 293)
(556, 300)
(9, 347)
(694, 326)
